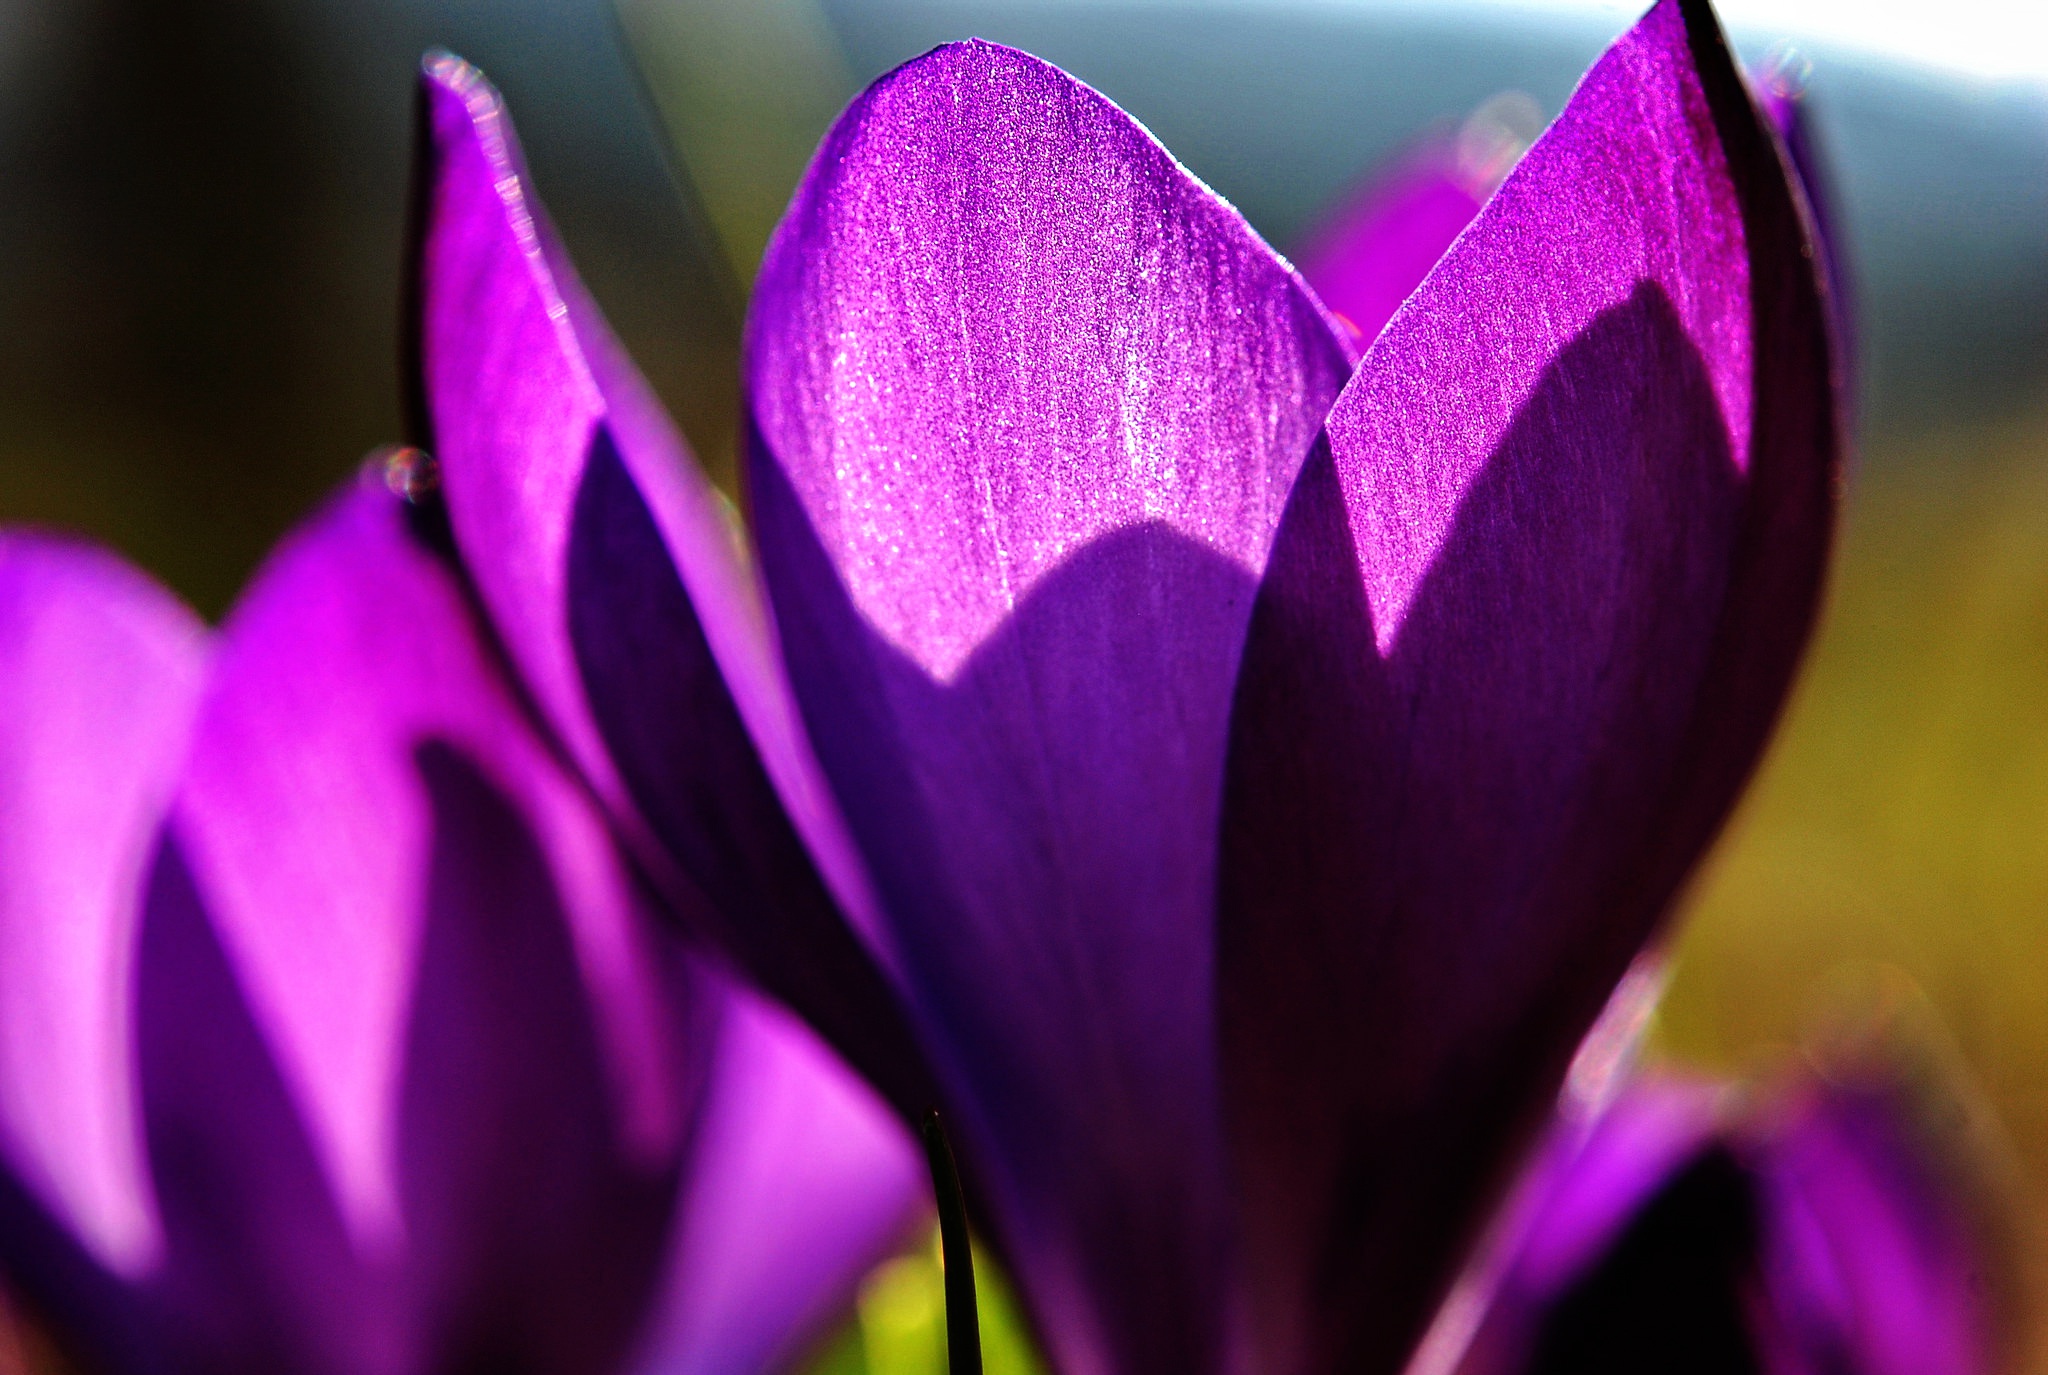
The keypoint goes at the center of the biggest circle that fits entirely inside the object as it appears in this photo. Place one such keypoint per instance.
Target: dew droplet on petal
(407, 472)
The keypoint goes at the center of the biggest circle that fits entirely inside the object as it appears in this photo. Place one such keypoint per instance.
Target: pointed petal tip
(1691, 297)
(928, 523)
(459, 102)
(450, 72)
(598, 550)
(981, 49)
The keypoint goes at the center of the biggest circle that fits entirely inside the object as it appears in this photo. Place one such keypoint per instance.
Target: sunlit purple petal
(1026, 400)
(417, 1075)
(1526, 625)
(100, 672)
(614, 579)
(802, 1180)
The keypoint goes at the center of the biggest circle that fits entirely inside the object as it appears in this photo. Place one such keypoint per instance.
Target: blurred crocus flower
(335, 1034)
(1375, 247)
(1225, 775)
(1377, 244)
(1827, 1228)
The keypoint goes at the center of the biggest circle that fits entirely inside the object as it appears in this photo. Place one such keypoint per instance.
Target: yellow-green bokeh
(1899, 828)
(899, 1325)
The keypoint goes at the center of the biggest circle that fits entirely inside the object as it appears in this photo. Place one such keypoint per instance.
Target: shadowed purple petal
(418, 1076)
(1026, 399)
(1378, 247)
(1787, 107)
(802, 1182)
(1526, 625)
(259, 1272)
(100, 674)
(613, 579)
(1590, 1183)
(1826, 1236)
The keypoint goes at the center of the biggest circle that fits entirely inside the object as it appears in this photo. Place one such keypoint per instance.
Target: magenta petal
(802, 1181)
(1871, 1258)
(418, 1074)
(258, 1271)
(1829, 1236)
(1591, 1183)
(1377, 247)
(1526, 626)
(1026, 400)
(100, 674)
(612, 577)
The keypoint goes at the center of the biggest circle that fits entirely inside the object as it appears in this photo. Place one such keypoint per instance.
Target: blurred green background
(201, 209)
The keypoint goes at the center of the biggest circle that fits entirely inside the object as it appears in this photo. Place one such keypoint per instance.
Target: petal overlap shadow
(95, 1314)
(259, 1273)
(1429, 861)
(697, 777)
(532, 1236)
(1040, 828)
(1674, 1294)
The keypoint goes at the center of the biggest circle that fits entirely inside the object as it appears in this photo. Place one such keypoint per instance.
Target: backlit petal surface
(100, 676)
(613, 578)
(417, 1074)
(1026, 400)
(1527, 622)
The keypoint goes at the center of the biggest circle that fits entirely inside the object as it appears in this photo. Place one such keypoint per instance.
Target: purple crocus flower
(336, 1037)
(1225, 775)
(1819, 1231)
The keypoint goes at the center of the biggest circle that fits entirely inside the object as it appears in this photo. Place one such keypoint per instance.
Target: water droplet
(411, 473)
(1786, 71)
(1494, 137)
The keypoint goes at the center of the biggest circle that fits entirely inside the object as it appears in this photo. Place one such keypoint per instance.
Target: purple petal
(801, 1183)
(1526, 626)
(1785, 103)
(1594, 1177)
(1026, 398)
(258, 1271)
(1871, 1260)
(1673, 1288)
(100, 675)
(612, 577)
(1379, 246)
(418, 1075)
(1828, 1235)
(1589, 1184)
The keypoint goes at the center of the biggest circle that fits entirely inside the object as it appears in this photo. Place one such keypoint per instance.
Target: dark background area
(201, 226)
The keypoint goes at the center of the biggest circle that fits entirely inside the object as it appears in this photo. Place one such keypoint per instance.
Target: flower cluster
(1223, 767)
